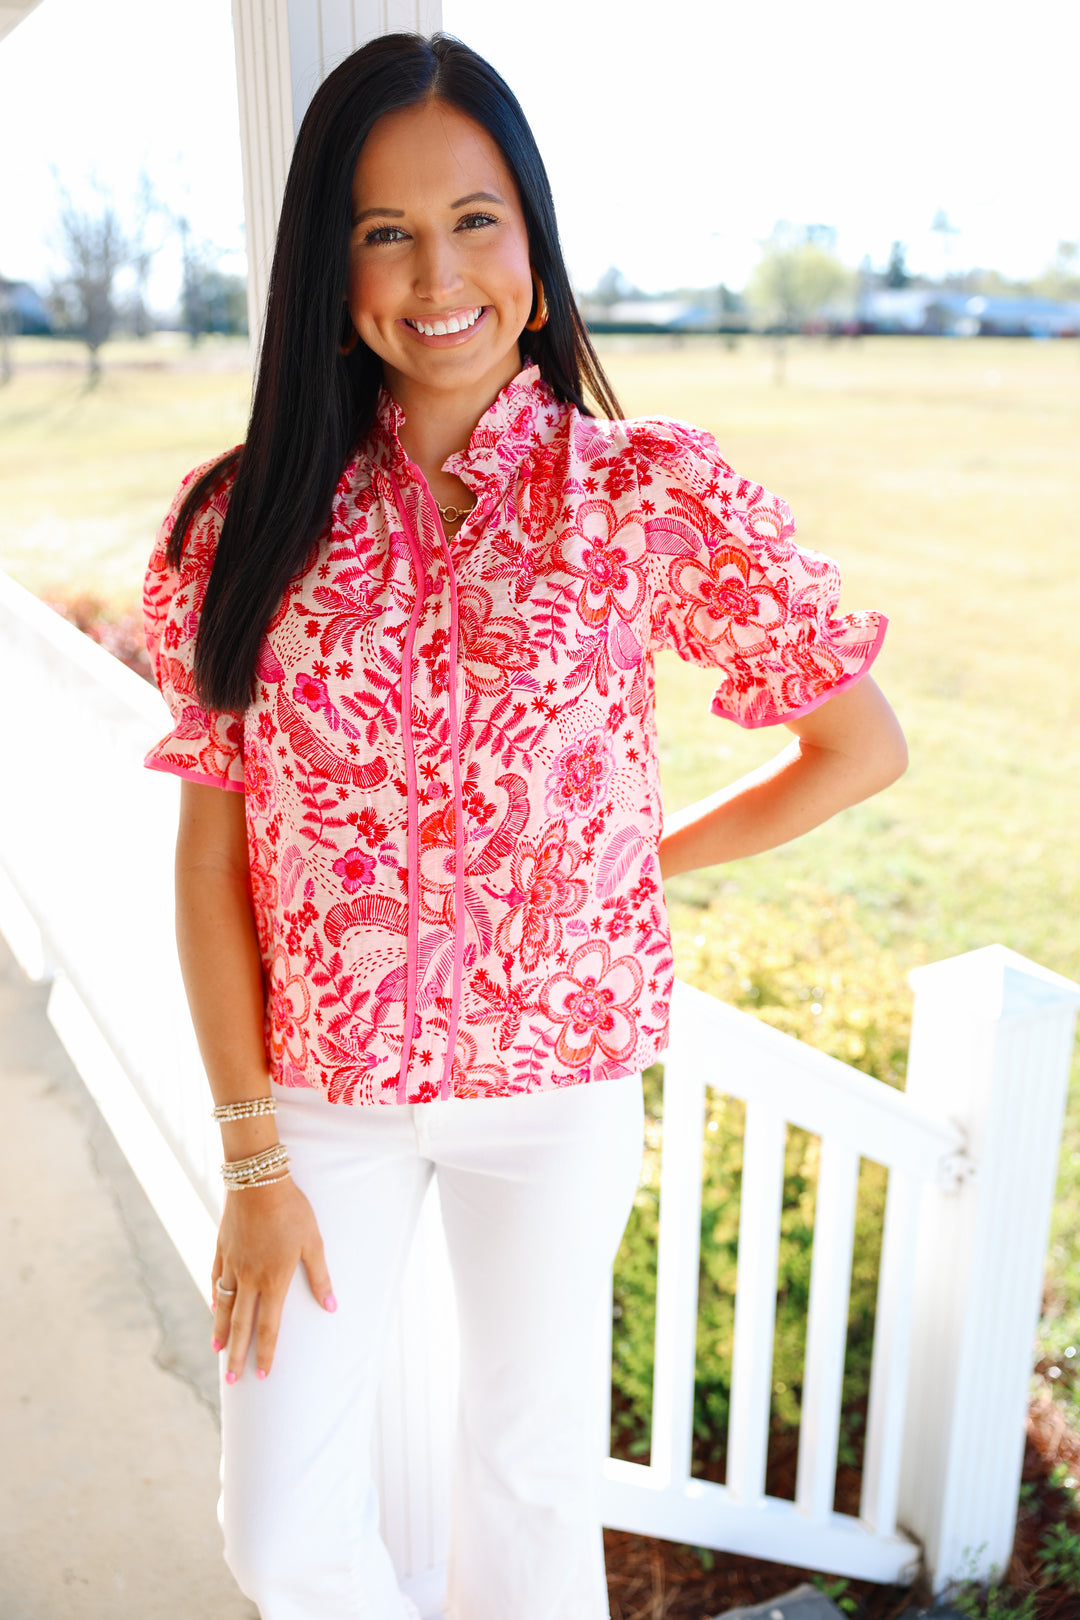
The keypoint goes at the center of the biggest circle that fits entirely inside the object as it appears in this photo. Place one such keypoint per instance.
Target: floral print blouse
(450, 761)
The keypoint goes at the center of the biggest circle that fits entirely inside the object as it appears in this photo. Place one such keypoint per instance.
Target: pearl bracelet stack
(250, 1108)
(260, 1170)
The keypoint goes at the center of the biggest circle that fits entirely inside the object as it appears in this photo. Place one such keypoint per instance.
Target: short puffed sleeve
(204, 745)
(731, 589)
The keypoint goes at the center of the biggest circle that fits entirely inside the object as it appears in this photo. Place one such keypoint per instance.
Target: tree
(796, 278)
(943, 227)
(210, 300)
(612, 288)
(95, 250)
(896, 271)
(1061, 279)
(7, 330)
(142, 254)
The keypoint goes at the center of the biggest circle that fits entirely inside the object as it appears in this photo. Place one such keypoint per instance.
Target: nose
(438, 275)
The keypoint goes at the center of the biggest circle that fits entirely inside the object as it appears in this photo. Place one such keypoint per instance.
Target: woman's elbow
(889, 759)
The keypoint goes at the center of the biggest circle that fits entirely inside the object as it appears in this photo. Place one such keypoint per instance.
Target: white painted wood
(708, 1515)
(745, 1058)
(991, 1044)
(826, 1334)
(678, 1255)
(163, 1178)
(755, 1300)
(284, 50)
(891, 1356)
(87, 844)
(265, 97)
(13, 13)
(19, 927)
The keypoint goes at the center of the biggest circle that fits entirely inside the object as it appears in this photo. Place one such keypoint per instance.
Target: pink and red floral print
(450, 760)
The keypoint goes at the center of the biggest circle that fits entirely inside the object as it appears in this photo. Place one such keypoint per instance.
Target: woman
(409, 623)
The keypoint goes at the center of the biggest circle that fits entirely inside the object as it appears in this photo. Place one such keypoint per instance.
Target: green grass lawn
(942, 474)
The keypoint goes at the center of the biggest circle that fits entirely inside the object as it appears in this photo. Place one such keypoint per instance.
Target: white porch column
(284, 50)
(990, 1049)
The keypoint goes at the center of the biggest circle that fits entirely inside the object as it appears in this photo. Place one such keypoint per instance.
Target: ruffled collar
(520, 419)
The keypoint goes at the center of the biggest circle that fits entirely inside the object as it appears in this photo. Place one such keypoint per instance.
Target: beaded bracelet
(244, 1169)
(271, 1181)
(254, 1170)
(250, 1108)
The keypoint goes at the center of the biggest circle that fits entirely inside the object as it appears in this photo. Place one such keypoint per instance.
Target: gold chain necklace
(453, 514)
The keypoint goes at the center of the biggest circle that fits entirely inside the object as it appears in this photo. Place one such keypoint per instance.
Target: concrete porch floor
(108, 1420)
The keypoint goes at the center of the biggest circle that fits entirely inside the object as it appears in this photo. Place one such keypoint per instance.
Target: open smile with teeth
(453, 323)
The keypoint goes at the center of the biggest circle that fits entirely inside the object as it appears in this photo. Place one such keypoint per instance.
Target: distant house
(1023, 317)
(24, 309)
(658, 315)
(957, 314)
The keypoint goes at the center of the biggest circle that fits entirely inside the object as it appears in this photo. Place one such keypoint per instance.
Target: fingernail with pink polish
(216, 1345)
(330, 1303)
(261, 1373)
(230, 1377)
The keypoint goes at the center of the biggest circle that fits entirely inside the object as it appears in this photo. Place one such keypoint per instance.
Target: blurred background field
(87, 475)
(942, 474)
(944, 477)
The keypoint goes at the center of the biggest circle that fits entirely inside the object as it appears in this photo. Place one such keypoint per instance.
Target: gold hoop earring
(346, 348)
(540, 318)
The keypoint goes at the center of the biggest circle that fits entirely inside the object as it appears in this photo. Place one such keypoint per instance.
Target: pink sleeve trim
(154, 764)
(777, 718)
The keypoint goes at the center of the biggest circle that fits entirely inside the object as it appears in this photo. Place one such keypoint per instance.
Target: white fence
(971, 1148)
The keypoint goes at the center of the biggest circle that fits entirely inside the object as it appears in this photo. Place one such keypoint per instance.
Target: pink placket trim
(413, 832)
(459, 814)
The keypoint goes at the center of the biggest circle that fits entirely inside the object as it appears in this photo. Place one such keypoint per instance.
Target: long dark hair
(312, 405)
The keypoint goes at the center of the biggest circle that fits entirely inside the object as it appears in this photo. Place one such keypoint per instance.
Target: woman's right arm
(264, 1230)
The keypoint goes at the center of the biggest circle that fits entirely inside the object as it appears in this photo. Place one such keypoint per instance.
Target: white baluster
(755, 1300)
(826, 1332)
(677, 1263)
(892, 1355)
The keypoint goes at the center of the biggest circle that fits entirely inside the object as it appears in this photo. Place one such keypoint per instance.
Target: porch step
(803, 1602)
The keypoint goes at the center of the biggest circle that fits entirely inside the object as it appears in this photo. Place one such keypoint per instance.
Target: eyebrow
(382, 213)
(477, 196)
(399, 213)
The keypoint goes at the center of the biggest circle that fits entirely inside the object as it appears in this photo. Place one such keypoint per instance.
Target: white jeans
(535, 1192)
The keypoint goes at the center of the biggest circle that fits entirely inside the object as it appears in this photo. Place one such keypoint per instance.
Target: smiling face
(439, 285)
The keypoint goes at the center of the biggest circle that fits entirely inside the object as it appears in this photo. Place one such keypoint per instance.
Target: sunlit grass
(86, 474)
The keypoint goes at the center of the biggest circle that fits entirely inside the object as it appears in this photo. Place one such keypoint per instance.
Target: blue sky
(672, 150)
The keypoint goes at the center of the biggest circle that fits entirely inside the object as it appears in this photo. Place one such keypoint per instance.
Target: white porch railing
(971, 1148)
(85, 898)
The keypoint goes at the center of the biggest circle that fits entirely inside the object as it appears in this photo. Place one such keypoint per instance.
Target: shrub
(1059, 1557)
(118, 630)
